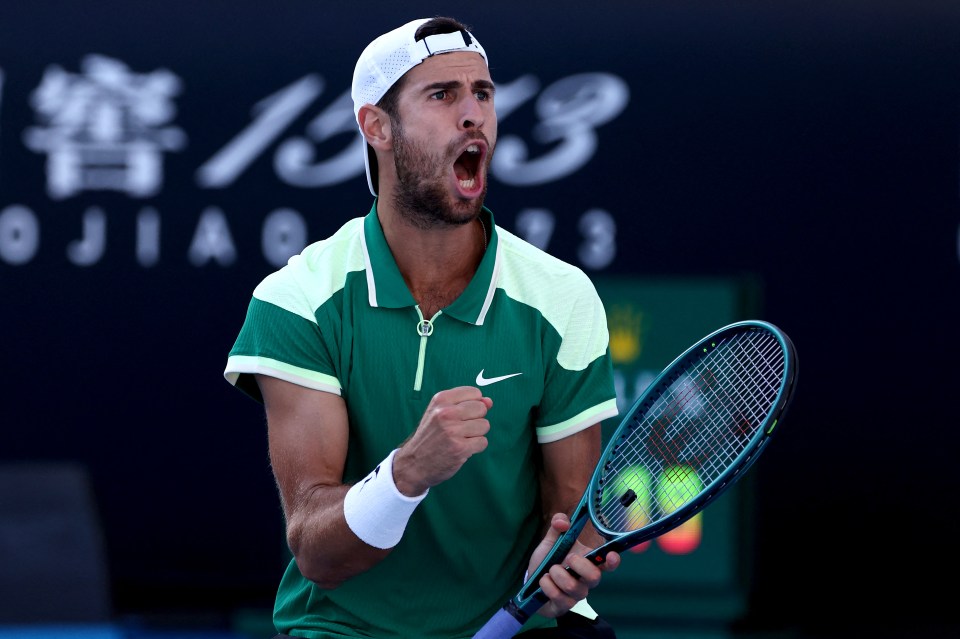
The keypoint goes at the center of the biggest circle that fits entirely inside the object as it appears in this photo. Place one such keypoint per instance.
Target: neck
(438, 263)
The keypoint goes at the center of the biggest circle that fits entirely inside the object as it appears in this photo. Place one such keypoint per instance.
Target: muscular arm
(568, 464)
(308, 433)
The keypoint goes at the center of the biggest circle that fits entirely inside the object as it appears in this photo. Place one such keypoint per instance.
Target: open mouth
(467, 167)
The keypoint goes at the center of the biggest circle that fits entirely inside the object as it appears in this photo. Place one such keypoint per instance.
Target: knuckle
(443, 413)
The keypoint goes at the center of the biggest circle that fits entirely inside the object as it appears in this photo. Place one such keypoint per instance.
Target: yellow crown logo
(626, 333)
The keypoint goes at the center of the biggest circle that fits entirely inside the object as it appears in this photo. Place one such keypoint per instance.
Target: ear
(375, 125)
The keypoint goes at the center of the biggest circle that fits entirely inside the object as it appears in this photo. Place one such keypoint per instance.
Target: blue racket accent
(691, 434)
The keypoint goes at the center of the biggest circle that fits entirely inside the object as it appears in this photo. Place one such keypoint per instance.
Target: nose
(471, 117)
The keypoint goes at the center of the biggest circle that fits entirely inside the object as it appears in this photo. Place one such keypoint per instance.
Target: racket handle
(502, 625)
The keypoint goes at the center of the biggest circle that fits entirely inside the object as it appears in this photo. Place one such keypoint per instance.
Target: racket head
(692, 433)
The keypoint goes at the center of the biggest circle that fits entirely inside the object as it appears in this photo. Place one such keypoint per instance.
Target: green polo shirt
(529, 330)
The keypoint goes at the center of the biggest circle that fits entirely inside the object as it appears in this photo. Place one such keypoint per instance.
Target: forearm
(326, 550)
(308, 434)
(337, 531)
(373, 512)
(567, 468)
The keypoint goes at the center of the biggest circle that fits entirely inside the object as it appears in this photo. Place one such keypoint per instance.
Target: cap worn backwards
(387, 58)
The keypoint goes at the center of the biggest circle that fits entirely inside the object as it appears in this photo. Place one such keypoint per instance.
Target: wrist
(375, 509)
(405, 476)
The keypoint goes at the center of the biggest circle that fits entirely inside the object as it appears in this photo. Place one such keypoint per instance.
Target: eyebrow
(456, 84)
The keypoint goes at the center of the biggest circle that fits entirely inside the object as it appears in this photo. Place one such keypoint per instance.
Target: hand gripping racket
(691, 434)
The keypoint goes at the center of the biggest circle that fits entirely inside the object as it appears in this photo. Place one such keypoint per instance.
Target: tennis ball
(627, 498)
(676, 486)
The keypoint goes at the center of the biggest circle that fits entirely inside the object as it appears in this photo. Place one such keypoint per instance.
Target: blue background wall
(811, 146)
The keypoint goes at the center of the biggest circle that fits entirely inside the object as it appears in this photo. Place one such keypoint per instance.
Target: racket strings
(693, 429)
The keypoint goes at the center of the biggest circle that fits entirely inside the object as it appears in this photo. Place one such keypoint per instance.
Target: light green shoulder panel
(313, 276)
(561, 292)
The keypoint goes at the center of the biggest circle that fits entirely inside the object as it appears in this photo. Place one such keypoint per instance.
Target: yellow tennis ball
(627, 499)
(677, 485)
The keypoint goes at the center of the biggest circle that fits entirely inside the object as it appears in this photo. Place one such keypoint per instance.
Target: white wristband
(376, 511)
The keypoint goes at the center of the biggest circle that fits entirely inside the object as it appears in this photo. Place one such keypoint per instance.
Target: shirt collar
(388, 290)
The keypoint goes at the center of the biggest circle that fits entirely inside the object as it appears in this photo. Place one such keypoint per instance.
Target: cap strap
(442, 43)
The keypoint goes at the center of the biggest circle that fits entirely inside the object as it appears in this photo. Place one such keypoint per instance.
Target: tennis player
(433, 385)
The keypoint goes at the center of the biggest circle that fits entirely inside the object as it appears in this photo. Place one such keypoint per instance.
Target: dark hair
(435, 25)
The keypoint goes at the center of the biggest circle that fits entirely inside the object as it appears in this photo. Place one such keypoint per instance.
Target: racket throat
(598, 556)
(519, 613)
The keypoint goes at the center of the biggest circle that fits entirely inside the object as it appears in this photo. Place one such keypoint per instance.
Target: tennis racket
(691, 434)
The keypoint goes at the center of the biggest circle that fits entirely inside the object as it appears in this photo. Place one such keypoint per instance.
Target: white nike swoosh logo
(483, 381)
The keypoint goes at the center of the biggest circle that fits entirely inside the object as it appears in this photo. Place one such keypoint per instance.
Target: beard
(421, 190)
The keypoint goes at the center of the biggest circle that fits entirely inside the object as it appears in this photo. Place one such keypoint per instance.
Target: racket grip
(502, 625)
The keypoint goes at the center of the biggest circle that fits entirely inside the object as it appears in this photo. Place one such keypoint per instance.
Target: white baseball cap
(387, 58)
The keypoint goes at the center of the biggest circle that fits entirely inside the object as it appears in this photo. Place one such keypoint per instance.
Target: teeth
(469, 183)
